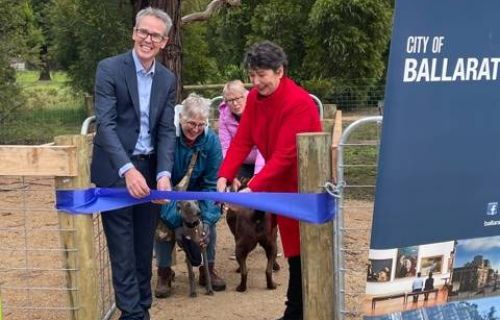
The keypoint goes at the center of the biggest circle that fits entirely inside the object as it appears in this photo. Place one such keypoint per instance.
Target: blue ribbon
(308, 207)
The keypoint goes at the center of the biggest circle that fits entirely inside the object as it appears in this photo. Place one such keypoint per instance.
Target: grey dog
(192, 229)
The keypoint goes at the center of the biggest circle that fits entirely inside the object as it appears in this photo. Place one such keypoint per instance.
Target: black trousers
(415, 298)
(293, 304)
(130, 234)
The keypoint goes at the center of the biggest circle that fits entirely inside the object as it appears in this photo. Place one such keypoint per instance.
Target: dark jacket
(118, 122)
(429, 284)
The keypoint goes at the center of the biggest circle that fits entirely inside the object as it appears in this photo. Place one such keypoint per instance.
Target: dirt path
(256, 303)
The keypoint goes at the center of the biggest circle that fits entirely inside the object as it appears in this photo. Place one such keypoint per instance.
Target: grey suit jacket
(118, 121)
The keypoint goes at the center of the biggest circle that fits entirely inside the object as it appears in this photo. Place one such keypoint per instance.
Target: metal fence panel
(33, 276)
(356, 169)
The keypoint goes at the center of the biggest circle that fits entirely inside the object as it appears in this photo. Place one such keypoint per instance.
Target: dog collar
(191, 224)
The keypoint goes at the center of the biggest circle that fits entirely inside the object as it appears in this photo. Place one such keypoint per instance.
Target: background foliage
(14, 24)
(351, 36)
(86, 31)
(337, 48)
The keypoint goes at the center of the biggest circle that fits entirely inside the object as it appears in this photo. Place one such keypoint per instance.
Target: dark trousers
(130, 234)
(293, 304)
(415, 298)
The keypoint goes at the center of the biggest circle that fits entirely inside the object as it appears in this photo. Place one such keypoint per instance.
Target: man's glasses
(234, 100)
(194, 125)
(143, 34)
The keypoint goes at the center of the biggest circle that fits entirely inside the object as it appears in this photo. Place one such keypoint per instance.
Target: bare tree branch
(211, 8)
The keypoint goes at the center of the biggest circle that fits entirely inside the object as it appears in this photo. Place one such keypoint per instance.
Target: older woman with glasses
(193, 136)
(230, 112)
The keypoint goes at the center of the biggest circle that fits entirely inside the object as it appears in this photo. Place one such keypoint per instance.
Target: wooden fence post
(316, 245)
(336, 134)
(89, 105)
(1, 312)
(77, 237)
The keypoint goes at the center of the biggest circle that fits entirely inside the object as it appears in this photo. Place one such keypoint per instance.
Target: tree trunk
(45, 67)
(171, 56)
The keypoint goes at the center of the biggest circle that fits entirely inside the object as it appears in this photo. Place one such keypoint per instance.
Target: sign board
(438, 188)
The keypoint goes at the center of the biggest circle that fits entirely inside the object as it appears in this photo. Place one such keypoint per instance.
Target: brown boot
(218, 284)
(163, 287)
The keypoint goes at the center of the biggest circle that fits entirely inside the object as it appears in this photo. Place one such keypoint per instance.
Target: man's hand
(136, 184)
(221, 184)
(163, 184)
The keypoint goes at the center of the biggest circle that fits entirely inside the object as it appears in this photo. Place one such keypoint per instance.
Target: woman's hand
(247, 189)
(236, 184)
(221, 184)
(235, 206)
(205, 236)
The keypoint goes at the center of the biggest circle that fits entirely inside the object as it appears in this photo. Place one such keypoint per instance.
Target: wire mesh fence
(357, 96)
(34, 272)
(50, 109)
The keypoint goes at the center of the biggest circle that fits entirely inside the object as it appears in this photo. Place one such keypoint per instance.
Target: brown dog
(249, 228)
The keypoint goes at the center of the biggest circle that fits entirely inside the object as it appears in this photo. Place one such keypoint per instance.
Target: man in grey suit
(133, 148)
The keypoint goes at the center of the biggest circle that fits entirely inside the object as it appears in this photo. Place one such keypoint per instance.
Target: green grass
(50, 109)
(31, 77)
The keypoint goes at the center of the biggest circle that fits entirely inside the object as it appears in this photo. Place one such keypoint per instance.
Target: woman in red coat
(277, 110)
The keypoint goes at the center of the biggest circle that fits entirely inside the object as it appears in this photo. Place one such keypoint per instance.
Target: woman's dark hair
(265, 55)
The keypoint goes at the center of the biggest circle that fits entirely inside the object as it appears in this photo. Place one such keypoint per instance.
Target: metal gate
(106, 285)
(356, 174)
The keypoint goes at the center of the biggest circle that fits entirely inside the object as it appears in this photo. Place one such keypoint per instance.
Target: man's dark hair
(265, 55)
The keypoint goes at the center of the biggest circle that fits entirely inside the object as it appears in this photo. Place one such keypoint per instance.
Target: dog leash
(184, 183)
(162, 232)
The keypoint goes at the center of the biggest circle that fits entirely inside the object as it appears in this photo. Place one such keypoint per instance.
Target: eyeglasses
(194, 125)
(234, 100)
(143, 34)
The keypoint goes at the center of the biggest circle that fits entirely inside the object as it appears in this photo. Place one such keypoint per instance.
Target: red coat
(272, 123)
